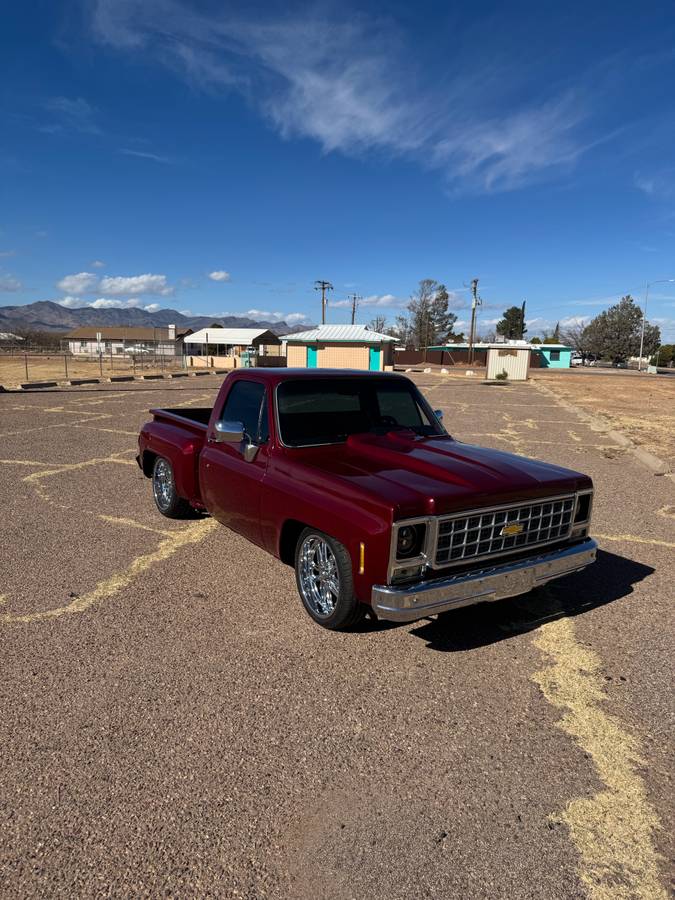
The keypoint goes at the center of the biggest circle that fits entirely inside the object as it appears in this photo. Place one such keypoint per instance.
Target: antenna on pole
(475, 301)
(355, 298)
(323, 286)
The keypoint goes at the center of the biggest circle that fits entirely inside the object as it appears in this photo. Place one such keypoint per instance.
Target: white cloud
(97, 264)
(9, 284)
(154, 157)
(76, 114)
(386, 301)
(351, 83)
(219, 275)
(107, 303)
(5, 254)
(266, 315)
(136, 284)
(658, 185)
(72, 302)
(82, 283)
(88, 283)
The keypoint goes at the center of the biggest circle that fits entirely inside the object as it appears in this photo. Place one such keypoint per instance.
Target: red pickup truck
(351, 478)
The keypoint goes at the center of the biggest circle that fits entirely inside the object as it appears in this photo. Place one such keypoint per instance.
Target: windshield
(327, 411)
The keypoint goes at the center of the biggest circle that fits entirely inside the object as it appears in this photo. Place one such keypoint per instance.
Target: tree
(615, 333)
(379, 323)
(664, 356)
(535, 340)
(430, 320)
(403, 332)
(552, 337)
(512, 326)
(575, 337)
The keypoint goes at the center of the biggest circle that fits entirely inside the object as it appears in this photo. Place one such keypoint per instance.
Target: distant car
(136, 350)
(577, 359)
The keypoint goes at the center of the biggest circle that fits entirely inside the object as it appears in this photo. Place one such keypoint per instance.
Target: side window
(399, 407)
(246, 403)
(555, 355)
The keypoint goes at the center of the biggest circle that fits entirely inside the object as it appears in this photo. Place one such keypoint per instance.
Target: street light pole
(644, 314)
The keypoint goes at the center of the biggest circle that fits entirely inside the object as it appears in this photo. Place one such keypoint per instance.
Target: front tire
(323, 572)
(167, 500)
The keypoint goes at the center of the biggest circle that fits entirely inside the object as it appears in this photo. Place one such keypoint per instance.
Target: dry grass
(53, 368)
(642, 407)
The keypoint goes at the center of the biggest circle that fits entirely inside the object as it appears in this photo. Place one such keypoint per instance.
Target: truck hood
(434, 475)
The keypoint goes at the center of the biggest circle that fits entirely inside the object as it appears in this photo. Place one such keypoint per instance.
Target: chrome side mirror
(228, 432)
(234, 433)
(439, 414)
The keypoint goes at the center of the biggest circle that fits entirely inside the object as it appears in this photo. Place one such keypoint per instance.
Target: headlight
(583, 510)
(409, 541)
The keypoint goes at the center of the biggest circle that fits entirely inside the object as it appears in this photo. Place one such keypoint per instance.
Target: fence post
(25, 359)
(65, 363)
(100, 363)
(133, 360)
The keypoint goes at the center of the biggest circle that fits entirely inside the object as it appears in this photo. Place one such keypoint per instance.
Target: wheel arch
(148, 462)
(288, 539)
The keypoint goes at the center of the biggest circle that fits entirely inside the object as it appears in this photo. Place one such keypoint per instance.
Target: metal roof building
(340, 347)
(233, 337)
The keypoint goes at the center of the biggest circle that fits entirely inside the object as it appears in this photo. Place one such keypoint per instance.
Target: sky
(219, 158)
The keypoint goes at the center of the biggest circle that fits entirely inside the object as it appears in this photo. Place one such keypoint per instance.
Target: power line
(323, 286)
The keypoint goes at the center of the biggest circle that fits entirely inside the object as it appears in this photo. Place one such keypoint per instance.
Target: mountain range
(45, 315)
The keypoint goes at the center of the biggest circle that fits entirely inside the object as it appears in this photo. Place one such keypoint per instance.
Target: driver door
(231, 485)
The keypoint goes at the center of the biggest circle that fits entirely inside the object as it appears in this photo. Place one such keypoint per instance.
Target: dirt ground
(56, 368)
(640, 406)
(173, 724)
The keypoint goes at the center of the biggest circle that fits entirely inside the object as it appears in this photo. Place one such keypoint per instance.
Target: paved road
(173, 723)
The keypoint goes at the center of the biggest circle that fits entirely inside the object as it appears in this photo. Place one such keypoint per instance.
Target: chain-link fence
(30, 364)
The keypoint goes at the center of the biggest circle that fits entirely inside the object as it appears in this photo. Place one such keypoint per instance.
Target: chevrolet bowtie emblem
(511, 529)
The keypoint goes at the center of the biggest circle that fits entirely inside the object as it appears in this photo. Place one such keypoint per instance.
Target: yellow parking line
(631, 538)
(193, 534)
(132, 523)
(614, 829)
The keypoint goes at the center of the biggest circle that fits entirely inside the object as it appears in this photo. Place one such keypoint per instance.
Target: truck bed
(194, 416)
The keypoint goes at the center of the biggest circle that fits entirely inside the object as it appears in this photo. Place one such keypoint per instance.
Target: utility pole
(475, 300)
(522, 321)
(323, 286)
(355, 305)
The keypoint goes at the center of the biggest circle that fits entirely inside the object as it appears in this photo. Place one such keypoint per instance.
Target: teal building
(553, 356)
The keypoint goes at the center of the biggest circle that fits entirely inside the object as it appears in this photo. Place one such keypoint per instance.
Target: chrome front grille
(479, 534)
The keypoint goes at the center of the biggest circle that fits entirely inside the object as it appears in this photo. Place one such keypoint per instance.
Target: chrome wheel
(319, 578)
(162, 484)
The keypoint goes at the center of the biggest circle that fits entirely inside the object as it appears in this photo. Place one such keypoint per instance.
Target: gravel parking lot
(174, 724)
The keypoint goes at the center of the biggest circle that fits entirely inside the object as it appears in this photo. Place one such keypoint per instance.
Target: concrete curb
(112, 379)
(655, 465)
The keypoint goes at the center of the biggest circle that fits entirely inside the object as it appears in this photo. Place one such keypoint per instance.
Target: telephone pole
(475, 301)
(355, 304)
(323, 286)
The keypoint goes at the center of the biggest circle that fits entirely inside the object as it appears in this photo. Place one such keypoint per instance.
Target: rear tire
(323, 573)
(167, 500)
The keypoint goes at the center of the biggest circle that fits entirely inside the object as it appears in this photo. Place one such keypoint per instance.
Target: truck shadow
(611, 578)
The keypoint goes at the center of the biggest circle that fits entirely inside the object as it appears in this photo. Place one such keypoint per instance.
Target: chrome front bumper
(406, 603)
